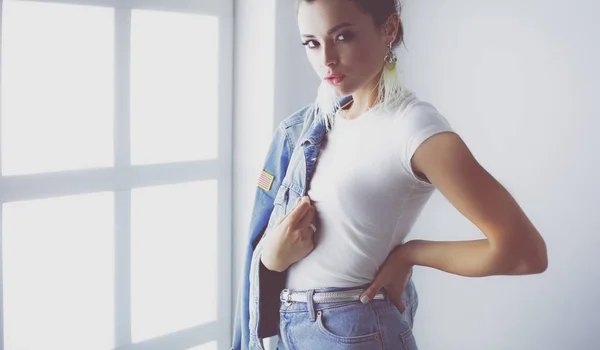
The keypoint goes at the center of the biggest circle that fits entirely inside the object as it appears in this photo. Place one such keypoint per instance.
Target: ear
(391, 27)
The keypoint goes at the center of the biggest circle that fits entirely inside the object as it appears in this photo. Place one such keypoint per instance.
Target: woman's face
(343, 41)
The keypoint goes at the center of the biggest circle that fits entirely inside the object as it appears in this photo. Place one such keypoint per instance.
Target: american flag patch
(265, 180)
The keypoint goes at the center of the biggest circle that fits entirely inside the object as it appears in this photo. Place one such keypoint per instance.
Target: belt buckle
(286, 297)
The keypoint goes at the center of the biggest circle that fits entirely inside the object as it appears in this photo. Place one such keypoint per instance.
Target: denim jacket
(291, 160)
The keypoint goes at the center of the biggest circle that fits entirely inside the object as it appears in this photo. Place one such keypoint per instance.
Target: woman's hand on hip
(291, 239)
(393, 275)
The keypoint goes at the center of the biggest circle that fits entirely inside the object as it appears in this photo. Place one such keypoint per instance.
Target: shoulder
(417, 123)
(290, 129)
(297, 123)
(414, 113)
(298, 118)
(416, 120)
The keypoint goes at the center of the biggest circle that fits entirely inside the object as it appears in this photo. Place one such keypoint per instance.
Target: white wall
(296, 82)
(253, 119)
(519, 81)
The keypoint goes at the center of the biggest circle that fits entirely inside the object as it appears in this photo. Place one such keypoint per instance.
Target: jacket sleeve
(276, 163)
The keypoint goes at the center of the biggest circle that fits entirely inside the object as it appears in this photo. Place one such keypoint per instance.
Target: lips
(334, 79)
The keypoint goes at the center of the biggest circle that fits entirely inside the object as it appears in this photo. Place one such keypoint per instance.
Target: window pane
(207, 346)
(174, 258)
(59, 273)
(174, 84)
(57, 87)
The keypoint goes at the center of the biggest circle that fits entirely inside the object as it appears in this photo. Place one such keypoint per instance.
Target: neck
(364, 98)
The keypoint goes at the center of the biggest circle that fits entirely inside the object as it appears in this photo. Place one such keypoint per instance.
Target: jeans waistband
(318, 297)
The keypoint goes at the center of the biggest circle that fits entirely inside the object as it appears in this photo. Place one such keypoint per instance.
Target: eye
(311, 44)
(344, 36)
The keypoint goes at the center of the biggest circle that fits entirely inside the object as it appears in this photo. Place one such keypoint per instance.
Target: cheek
(362, 55)
(364, 62)
(364, 59)
(313, 59)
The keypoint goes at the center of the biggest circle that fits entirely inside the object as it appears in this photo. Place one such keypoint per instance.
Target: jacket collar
(318, 129)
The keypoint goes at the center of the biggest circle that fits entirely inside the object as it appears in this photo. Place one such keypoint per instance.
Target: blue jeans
(348, 325)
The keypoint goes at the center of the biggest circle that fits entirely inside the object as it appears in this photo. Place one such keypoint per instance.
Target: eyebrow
(339, 26)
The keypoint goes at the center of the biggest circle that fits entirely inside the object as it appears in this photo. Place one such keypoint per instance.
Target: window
(57, 87)
(115, 155)
(179, 51)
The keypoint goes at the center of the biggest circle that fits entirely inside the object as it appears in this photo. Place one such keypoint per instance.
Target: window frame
(123, 177)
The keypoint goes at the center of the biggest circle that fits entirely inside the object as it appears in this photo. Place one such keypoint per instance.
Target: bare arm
(512, 245)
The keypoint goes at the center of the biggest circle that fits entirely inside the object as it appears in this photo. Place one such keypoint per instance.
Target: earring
(390, 58)
(390, 85)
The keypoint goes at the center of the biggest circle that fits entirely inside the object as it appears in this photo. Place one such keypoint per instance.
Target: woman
(343, 246)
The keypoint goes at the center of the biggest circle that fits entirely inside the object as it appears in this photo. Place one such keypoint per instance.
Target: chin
(343, 90)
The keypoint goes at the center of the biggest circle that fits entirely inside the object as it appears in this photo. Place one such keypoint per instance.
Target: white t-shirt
(366, 196)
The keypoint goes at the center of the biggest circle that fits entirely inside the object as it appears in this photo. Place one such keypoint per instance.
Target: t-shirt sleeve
(419, 122)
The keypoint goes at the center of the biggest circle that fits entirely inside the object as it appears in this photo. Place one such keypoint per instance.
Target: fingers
(298, 212)
(291, 211)
(370, 292)
(402, 307)
(378, 283)
(308, 218)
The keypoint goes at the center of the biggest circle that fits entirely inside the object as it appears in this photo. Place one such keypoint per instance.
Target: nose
(330, 56)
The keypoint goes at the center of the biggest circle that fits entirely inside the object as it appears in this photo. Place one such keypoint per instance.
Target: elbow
(538, 255)
(540, 263)
(523, 258)
(536, 267)
(534, 260)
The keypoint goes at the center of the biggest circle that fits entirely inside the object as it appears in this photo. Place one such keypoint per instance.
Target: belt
(288, 296)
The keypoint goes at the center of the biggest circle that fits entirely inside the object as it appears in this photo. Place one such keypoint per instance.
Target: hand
(393, 276)
(291, 239)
